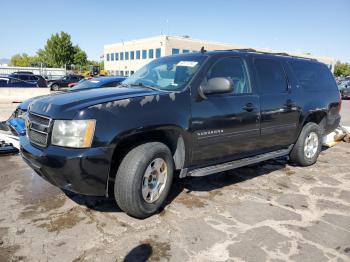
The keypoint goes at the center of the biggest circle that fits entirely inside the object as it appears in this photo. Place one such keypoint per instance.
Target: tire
(130, 181)
(55, 87)
(303, 155)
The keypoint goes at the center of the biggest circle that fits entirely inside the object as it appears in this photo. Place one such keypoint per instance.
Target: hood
(25, 104)
(65, 105)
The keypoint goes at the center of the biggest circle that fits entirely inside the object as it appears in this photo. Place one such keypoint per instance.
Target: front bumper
(84, 171)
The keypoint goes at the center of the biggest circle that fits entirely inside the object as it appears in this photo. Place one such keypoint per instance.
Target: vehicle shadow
(139, 253)
(224, 179)
(190, 184)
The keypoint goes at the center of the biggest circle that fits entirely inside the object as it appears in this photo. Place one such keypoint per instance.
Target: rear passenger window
(233, 68)
(33, 78)
(313, 76)
(271, 76)
(22, 77)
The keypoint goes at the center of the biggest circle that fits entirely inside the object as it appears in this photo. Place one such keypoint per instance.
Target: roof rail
(251, 50)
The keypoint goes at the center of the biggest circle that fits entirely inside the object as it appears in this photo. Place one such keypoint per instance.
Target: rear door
(226, 126)
(280, 111)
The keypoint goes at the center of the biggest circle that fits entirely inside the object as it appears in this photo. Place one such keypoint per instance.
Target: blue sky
(319, 27)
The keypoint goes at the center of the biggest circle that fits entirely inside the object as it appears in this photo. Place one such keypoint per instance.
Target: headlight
(73, 133)
(21, 113)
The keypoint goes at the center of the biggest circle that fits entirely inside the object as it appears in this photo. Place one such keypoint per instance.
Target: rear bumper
(84, 171)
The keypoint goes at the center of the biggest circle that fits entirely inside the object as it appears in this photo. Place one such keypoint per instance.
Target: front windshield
(92, 83)
(170, 73)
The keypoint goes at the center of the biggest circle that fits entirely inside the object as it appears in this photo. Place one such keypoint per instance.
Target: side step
(238, 163)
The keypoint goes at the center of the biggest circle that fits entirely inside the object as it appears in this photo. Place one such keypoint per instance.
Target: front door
(226, 126)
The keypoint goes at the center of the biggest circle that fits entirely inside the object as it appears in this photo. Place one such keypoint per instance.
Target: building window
(150, 53)
(121, 56)
(185, 51)
(116, 56)
(138, 54)
(175, 51)
(112, 56)
(107, 57)
(132, 72)
(158, 52)
(144, 54)
(126, 55)
(121, 73)
(126, 73)
(132, 55)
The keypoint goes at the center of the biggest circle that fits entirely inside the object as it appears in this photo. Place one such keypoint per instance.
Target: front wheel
(308, 146)
(143, 179)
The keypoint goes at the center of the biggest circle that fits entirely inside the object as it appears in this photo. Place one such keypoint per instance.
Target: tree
(58, 51)
(22, 60)
(80, 57)
(341, 69)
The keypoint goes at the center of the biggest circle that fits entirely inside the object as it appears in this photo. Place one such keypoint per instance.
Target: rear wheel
(143, 179)
(308, 146)
(55, 87)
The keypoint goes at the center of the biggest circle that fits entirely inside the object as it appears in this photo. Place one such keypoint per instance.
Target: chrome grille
(39, 119)
(38, 129)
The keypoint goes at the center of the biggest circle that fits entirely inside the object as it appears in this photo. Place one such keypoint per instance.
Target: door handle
(249, 107)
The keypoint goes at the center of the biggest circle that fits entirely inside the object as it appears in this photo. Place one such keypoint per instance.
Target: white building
(125, 58)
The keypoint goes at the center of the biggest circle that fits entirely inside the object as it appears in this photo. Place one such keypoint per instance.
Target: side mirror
(216, 85)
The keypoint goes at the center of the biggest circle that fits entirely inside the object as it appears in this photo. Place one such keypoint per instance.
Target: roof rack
(251, 50)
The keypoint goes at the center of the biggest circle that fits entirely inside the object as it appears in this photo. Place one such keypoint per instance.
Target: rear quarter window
(313, 76)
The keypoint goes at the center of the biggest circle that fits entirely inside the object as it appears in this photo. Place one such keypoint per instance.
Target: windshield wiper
(139, 84)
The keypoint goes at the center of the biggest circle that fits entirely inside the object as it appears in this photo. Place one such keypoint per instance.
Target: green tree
(22, 60)
(341, 69)
(80, 57)
(58, 51)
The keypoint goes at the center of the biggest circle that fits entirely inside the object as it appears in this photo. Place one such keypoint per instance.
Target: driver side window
(234, 69)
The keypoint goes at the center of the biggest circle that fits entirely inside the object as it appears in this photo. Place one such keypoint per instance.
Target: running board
(239, 163)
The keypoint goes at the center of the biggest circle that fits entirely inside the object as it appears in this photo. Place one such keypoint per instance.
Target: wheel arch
(318, 117)
(172, 136)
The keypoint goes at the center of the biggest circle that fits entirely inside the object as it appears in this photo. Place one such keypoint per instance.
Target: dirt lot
(271, 211)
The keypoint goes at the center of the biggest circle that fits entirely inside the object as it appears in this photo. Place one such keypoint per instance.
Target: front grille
(37, 138)
(39, 119)
(38, 129)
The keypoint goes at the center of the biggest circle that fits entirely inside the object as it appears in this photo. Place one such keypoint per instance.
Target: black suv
(189, 114)
(63, 81)
(30, 77)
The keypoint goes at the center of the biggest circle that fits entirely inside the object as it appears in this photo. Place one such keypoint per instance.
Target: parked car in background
(344, 89)
(74, 84)
(191, 114)
(7, 81)
(38, 79)
(98, 82)
(16, 122)
(63, 81)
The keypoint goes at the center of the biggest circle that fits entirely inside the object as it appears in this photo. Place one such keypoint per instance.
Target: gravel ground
(270, 211)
